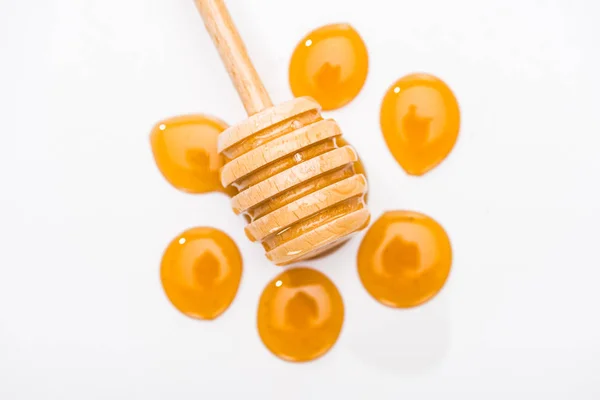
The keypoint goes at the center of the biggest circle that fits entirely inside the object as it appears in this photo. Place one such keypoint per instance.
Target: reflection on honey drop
(201, 271)
(185, 151)
(330, 65)
(300, 314)
(420, 120)
(404, 259)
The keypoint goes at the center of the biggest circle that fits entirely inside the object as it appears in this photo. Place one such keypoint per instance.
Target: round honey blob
(201, 271)
(300, 314)
(420, 120)
(185, 151)
(330, 65)
(404, 259)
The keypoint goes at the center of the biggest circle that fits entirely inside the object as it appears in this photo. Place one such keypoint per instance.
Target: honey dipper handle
(233, 53)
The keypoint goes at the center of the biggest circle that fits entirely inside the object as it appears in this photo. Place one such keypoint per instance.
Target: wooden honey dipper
(296, 178)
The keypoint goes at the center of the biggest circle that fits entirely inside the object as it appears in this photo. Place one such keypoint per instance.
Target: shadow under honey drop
(201, 271)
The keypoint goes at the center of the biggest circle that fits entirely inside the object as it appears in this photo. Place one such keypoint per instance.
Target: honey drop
(330, 65)
(300, 314)
(404, 259)
(201, 271)
(185, 151)
(420, 120)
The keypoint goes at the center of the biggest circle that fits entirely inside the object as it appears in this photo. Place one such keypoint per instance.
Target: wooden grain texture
(264, 120)
(306, 206)
(319, 239)
(233, 53)
(278, 148)
(293, 176)
(296, 177)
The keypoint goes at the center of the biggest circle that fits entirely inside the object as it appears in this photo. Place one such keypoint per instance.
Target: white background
(85, 214)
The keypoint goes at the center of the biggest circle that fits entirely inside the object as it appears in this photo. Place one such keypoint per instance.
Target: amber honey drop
(420, 121)
(185, 151)
(300, 314)
(330, 65)
(404, 259)
(201, 271)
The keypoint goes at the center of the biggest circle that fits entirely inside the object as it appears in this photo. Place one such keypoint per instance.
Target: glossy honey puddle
(330, 64)
(405, 257)
(300, 314)
(185, 152)
(420, 120)
(201, 271)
